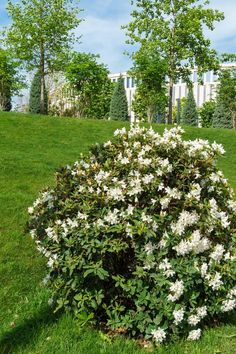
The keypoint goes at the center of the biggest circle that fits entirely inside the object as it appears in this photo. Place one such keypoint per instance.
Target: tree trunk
(170, 110)
(42, 80)
(234, 120)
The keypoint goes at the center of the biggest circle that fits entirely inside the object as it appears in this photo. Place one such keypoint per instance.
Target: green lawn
(31, 149)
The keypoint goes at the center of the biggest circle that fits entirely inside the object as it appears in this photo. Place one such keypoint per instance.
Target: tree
(35, 96)
(149, 71)
(119, 104)
(175, 29)
(225, 114)
(190, 113)
(41, 34)
(206, 113)
(91, 85)
(222, 117)
(10, 80)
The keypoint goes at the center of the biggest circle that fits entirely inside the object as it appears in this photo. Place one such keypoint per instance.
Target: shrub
(206, 113)
(35, 93)
(119, 104)
(190, 113)
(140, 235)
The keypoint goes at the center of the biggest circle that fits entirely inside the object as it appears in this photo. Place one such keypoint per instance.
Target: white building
(202, 93)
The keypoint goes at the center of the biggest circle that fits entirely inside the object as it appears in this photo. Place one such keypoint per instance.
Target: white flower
(195, 334)
(159, 335)
(120, 131)
(201, 311)
(112, 217)
(165, 202)
(130, 210)
(46, 279)
(178, 316)
(50, 301)
(218, 148)
(33, 233)
(193, 320)
(101, 176)
(204, 269)
(146, 218)
(81, 216)
(147, 178)
(228, 305)
(167, 268)
(116, 194)
(185, 219)
(195, 192)
(149, 247)
(218, 252)
(30, 210)
(176, 290)
(107, 144)
(124, 161)
(215, 282)
(196, 244)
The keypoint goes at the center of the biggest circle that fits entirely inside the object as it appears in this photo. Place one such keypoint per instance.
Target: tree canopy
(175, 29)
(41, 34)
(91, 85)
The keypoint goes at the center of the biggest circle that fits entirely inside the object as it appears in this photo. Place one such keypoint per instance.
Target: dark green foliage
(35, 95)
(225, 114)
(222, 117)
(5, 100)
(10, 81)
(190, 114)
(206, 113)
(119, 104)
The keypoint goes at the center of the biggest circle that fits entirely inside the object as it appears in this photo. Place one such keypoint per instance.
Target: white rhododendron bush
(139, 235)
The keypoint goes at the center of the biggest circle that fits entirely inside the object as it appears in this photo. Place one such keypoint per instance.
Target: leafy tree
(174, 28)
(206, 113)
(35, 96)
(149, 71)
(41, 34)
(119, 104)
(190, 113)
(91, 85)
(10, 80)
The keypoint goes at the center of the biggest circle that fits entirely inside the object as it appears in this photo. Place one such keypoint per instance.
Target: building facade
(202, 93)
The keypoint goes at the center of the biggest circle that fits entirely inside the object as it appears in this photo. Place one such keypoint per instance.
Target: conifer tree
(222, 117)
(119, 104)
(35, 96)
(190, 113)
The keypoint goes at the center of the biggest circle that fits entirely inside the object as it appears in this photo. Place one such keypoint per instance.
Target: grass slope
(31, 149)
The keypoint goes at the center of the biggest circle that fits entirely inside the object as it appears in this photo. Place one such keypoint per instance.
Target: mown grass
(31, 149)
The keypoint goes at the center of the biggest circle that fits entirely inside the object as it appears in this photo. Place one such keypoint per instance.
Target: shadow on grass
(20, 336)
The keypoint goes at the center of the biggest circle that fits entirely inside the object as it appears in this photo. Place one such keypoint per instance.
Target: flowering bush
(140, 235)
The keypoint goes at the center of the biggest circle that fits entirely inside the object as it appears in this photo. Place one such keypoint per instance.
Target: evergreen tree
(190, 113)
(225, 113)
(119, 104)
(222, 117)
(35, 96)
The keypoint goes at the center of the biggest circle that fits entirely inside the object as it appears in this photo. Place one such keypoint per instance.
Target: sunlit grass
(31, 149)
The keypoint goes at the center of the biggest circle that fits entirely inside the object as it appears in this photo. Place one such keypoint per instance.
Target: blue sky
(101, 29)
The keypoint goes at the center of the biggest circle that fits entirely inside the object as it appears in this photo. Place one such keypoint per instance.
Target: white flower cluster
(159, 335)
(185, 219)
(196, 244)
(200, 313)
(176, 290)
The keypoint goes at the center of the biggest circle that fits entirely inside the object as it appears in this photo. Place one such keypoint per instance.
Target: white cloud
(104, 36)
